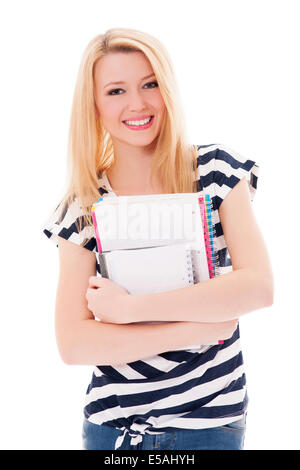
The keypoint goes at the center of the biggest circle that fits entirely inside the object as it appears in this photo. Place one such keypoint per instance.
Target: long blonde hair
(90, 148)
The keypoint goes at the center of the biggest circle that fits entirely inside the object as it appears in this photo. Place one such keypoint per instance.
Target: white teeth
(138, 123)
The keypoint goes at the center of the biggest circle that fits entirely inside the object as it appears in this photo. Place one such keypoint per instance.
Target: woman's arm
(83, 340)
(249, 287)
(100, 343)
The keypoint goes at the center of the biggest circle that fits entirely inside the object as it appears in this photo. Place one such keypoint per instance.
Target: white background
(237, 67)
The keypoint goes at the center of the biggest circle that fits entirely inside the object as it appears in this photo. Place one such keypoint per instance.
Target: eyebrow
(120, 82)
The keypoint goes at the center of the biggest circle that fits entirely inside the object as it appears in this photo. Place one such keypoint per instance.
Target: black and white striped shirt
(180, 389)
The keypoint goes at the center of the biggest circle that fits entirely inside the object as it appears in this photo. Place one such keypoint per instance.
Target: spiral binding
(190, 271)
(195, 277)
(209, 223)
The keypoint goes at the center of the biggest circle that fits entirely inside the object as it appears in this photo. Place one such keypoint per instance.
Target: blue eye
(117, 89)
(151, 83)
(112, 92)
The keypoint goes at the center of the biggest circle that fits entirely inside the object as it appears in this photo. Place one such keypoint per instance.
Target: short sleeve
(229, 168)
(63, 221)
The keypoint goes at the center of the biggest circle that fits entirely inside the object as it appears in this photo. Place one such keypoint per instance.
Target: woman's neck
(129, 179)
(129, 187)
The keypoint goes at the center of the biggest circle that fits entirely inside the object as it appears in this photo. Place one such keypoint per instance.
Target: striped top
(179, 389)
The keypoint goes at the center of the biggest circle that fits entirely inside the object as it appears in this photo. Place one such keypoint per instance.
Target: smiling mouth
(132, 120)
(139, 127)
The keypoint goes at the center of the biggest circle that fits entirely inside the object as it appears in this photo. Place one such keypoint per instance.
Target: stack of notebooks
(156, 243)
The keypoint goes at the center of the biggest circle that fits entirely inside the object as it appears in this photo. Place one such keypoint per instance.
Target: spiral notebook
(149, 270)
(152, 270)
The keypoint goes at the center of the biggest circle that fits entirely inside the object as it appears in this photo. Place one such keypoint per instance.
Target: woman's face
(135, 99)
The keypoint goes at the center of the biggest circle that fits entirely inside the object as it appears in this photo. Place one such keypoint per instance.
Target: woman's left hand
(107, 300)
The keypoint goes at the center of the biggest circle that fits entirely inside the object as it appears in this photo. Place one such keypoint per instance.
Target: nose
(137, 102)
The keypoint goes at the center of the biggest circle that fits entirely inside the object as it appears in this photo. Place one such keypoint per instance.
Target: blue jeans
(228, 437)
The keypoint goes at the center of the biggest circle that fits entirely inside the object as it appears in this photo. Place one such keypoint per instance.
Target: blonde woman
(127, 137)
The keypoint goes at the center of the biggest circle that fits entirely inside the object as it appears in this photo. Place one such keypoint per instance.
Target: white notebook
(149, 270)
(126, 222)
(161, 269)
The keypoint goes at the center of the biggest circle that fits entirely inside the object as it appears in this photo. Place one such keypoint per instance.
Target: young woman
(127, 137)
